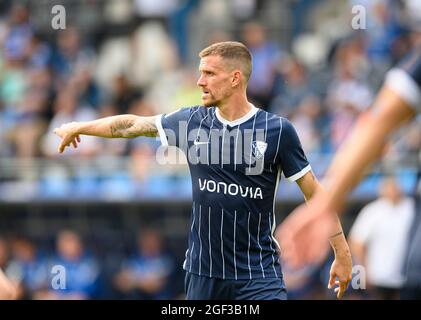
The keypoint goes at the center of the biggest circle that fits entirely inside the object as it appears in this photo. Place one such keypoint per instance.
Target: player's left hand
(340, 274)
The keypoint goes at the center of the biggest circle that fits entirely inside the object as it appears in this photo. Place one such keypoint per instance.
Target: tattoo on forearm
(119, 127)
(147, 127)
(133, 127)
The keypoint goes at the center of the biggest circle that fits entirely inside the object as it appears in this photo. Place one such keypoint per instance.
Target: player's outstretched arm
(121, 126)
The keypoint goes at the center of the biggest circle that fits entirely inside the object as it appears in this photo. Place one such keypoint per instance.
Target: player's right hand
(69, 134)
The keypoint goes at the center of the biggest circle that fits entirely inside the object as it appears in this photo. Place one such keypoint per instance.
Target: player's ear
(236, 78)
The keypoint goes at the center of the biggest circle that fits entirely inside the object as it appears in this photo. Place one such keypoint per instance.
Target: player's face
(215, 80)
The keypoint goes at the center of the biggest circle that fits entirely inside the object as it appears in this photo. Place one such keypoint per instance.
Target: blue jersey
(235, 169)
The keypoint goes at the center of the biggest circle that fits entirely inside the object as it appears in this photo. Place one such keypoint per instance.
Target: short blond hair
(236, 52)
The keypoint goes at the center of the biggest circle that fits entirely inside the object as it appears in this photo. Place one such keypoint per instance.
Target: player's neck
(235, 108)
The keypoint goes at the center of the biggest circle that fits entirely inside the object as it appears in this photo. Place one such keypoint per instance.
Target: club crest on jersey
(259, 149)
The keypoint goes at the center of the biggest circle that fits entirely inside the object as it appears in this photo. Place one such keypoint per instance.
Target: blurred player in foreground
(304, 231)
(235, 153)
(7, 289)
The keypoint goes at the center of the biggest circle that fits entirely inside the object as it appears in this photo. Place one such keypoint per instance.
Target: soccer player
(7, 289)
(398, 101)
(236, 153)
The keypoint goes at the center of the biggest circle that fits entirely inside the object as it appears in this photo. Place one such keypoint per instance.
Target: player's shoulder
(197, 111)
(276, 121)
(269, 116)
(201, 111)
(191, 109)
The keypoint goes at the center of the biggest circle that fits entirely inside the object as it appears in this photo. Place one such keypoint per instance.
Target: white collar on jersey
(238, 121)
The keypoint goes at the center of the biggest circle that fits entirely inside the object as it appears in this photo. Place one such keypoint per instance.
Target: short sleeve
(172, 127)
(292, 159)
(405, 79)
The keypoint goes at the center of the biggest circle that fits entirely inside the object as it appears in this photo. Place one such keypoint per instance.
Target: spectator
(67, 109)
(81, 267)
(29, 269)
(379, 237)
(123, 94)
(293, 86)
(69, 56)
(37, 53)
(348, 94)
(147, 275)
(307, 121)
(19, 33)
(266, 55)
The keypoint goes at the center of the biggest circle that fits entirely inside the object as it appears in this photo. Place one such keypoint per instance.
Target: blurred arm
(7, 289)
(365, 145)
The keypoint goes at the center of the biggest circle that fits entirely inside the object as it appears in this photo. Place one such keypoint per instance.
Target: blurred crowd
(67, 268)
(140, 57)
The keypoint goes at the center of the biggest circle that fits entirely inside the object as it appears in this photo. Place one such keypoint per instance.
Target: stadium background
(140, 56)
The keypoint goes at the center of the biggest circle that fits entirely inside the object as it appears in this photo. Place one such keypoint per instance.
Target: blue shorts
(205, 288)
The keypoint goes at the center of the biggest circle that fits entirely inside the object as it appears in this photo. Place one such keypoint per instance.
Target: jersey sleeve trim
(161, 132)
(402, 83)
(299, 174)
